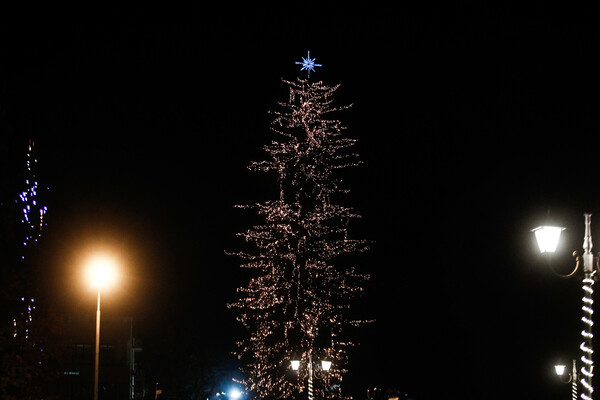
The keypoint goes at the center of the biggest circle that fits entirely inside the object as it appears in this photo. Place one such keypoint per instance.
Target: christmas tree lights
(33, 213)
(296, 305)
(33, 222)
(21, 325)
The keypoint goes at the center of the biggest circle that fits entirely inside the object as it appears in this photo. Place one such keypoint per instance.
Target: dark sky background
(474, 125)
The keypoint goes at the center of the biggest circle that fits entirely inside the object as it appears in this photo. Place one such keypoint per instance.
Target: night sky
(474, 126)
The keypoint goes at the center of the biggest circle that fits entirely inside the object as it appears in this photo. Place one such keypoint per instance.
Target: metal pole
(574, 381)
(132, 362)
(310, 378)
(587, 370)
(97, 348)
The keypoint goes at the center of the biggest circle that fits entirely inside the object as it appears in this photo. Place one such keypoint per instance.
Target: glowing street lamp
(325, 366)
(295, 365)
(547, 238)
(102, 272)
(560, 371)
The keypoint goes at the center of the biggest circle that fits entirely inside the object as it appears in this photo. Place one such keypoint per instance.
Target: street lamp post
(325, 366)
(101, 271)
(97, 352)
(547, 238)
(560, 371)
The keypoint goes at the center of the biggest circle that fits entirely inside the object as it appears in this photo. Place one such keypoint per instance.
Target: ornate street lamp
(325, 366)
(101, 273)
(560, 371)
(295, 365)
(547, 238)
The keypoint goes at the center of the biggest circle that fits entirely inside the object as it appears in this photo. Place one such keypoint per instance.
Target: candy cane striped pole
(310, 378)
(587, 370)
(574, 381)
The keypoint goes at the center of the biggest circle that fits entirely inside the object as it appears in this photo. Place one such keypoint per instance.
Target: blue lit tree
(33, 212)
(297, 302)
(32, 222)
(25, 339)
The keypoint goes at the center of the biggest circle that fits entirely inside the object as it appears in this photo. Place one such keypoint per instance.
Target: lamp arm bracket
(569, 380)
(596, 266)
(578, 261)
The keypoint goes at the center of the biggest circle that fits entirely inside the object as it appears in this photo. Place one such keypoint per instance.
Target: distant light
(547, 237)
(560, 369)
(325, 364)
(234, 394)
(295, 365)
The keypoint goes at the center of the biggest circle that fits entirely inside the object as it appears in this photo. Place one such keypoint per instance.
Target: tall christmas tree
(25, 348)
(33, 214)
(296, 305)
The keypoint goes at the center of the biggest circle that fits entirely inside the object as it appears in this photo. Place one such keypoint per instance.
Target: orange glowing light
(102, 270)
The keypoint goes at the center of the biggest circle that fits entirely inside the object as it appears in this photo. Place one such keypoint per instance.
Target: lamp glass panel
(295, 365)
(547, 238)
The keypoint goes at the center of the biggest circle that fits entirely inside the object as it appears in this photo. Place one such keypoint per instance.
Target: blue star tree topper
(308, 64)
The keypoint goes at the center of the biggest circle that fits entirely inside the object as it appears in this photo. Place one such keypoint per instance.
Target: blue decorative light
(33, 213)
(308, 64)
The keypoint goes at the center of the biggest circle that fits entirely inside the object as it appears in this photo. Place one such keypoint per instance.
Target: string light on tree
(33, 213)
(298, 298)
(32, 220)
(25, 318)
(29, 357)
